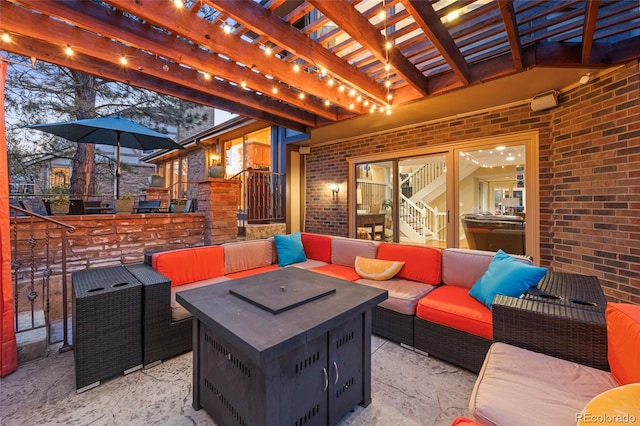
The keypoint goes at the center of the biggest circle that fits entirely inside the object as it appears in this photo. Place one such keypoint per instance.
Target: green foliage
(61, 193)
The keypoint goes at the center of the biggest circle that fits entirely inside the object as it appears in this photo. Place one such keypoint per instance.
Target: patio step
(32, 344)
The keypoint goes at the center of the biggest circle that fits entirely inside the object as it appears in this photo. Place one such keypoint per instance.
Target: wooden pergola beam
(264, 22)
(113, 24)
(212, 37)
(429, 21)
(344, 15)
(511, 27)
(589, 29)
(59, 34)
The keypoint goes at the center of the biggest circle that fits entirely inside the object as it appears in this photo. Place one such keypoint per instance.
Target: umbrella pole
(118, 169)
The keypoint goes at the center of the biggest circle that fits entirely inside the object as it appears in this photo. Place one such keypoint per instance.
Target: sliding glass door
(475, 194)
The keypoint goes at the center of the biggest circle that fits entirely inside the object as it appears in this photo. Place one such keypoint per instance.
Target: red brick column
(218, 199)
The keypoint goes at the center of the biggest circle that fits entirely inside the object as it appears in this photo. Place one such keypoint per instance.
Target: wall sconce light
(335, 188)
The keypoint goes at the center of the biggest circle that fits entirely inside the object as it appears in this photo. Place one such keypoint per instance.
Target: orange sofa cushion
(623, 341)
(189, 265)
(422, 264)
(250, 272)
(317, 246)
(451, 306)
(338, 271)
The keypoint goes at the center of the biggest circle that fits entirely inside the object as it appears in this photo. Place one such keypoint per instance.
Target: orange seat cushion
(623, 341)
(254, 271)
(452, 306)
(317, 246)
(422, 264)
(188, 265)
(338, 271)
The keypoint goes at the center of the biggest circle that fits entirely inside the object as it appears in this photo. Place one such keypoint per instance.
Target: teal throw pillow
(506, 276)
(289, 249)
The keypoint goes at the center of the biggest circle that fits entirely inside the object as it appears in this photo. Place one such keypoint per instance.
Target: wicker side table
(573, 334)
(107, 329)
(571, 290)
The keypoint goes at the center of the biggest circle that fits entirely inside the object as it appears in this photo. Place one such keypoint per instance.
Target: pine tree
(38, 92)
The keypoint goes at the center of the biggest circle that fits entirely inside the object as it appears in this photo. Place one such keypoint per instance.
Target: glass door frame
(452, 152)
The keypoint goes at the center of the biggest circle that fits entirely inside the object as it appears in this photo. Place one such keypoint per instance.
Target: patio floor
(408, 388)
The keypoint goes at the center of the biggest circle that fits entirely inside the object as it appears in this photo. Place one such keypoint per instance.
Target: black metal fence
(262, 198)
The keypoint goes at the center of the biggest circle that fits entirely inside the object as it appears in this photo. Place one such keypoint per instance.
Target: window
(59, 176)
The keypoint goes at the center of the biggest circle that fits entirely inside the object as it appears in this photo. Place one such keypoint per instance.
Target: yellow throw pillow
(377, 269)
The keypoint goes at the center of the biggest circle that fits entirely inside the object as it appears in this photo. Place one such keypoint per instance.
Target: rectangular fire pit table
(284, 347)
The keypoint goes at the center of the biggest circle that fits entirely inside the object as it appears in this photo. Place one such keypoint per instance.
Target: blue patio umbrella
(114, 130)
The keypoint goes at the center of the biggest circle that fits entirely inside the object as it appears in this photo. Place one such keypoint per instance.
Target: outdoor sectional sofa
(428, 307)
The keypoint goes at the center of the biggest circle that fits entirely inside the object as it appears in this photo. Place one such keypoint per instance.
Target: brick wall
(589, 175)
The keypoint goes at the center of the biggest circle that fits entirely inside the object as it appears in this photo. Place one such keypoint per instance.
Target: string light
(387, 65)
(268, 51)
(207, 76)
(296, 68)
(352, 92)
(330, 82)
(243, 84)
(301, 95)
(274, 90)
(341, 88)
(327, 102)
(123, 60)
(68, 50)
(226, 28)
(351, 106)
(179, 4)
(6, 37)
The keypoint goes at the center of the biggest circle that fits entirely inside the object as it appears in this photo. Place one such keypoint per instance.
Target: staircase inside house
(422, 190)
(419, 218)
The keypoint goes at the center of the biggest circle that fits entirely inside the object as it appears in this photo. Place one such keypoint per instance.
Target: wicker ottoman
(107, 327)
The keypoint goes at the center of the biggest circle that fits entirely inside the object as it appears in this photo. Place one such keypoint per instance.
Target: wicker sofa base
(393, 325)
(451, 345)
(564, 332)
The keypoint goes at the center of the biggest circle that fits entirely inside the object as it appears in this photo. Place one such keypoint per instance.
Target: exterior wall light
(335, 188)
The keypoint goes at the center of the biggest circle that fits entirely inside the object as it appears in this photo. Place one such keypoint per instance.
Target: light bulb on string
(123, 60)
(226, 28)
(296, 68)
(68, 50)
(6, 37)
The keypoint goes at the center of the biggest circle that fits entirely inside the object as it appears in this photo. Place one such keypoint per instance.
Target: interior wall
(589, 175)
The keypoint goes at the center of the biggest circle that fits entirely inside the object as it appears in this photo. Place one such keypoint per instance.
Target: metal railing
(38, 248)
(262, 198)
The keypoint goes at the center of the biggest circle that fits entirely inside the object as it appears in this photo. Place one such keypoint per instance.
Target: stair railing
(39, 245)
